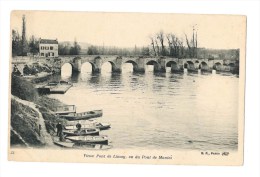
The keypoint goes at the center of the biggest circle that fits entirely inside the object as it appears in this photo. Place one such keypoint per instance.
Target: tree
(157, 46)
(153, 45)
(168, 37)
(93, 50)
(160, 36)
(64, 49)
(145, 51)
(192, 44)
(16, 43)
(24, 41)
(75, 49)
(34, 45)
(189, 47)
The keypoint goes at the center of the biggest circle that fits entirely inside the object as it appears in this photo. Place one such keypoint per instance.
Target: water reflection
(106, 68)
(169, 110)
(127, 68)
(75, 77)
(115, 80)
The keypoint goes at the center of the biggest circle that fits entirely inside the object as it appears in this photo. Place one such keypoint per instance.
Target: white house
(48, 48)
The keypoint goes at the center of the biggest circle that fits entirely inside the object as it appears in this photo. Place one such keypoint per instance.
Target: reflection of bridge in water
(160, 63)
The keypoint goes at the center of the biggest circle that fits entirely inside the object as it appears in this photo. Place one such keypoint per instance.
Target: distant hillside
(83, 45)
(218, 53)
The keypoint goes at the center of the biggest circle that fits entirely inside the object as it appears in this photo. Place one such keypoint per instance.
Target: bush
(23, 89)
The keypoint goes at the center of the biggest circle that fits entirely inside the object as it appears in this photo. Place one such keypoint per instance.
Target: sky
(130, 29)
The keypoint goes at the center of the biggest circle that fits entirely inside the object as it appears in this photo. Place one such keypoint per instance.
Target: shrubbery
(23, 89)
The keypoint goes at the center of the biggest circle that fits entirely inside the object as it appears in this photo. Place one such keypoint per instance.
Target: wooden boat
(81, 140)
(66, 144)
(55, 83)
(64, 110)
(95, 146)
(65, 82)
(85, 146)
(82, 132)
(99, 125)
(70, 144)
(83, 115)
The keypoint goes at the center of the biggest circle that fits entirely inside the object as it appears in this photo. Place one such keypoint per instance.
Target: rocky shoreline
(33, 121)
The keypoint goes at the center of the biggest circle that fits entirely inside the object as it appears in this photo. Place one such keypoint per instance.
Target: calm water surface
(159, 111)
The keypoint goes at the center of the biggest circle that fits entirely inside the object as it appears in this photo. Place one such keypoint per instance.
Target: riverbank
(33, 120)
(33, 124)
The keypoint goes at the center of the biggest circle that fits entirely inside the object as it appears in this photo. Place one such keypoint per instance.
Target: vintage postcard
(139, 88)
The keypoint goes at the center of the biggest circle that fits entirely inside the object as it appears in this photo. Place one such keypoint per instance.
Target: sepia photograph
(143, 88)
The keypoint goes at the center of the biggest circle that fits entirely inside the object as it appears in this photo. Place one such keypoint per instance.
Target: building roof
(48, 41)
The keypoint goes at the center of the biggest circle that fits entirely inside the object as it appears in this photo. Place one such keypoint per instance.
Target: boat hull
(82, 146)
(64, 144)
(100, 126)
(80, 142)
(83, 115)
(84, 132)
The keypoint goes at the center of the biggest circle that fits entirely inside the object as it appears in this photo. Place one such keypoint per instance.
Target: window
(42, 48)
(46, 48)
(51, 48)
(42, 54)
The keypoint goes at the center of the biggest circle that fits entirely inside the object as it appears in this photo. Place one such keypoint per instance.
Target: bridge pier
(116, 70)
(162, 66)
(177, 69)
(139, 70)
(76, 66)
(117, 65)
(140, 67)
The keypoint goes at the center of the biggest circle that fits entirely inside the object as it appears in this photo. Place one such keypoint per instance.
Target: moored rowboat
(82, 132)
(83, 115)
(70, 144)
(99, 125)
(85, 146)
(66, 144)
(89, 139)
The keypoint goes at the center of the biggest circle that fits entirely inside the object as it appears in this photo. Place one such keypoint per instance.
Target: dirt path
(45, 136)
(19, 136)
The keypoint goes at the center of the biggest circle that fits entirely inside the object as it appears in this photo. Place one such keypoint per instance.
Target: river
(187, 111)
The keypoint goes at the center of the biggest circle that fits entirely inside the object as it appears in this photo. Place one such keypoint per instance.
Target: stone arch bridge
(139, 63)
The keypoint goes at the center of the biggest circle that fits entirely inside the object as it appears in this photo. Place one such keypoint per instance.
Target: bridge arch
(189, 65)
(113, 65)
(66, 70)
(203, 66)
(93, 67)
(156, 66)
(197, 64)
(217, 66)
(66, 63)
(135, 65)
(66, 66)
(174, 66)
(75, 59)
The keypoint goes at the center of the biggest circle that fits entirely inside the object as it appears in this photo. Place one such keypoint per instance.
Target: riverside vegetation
(32, 118)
